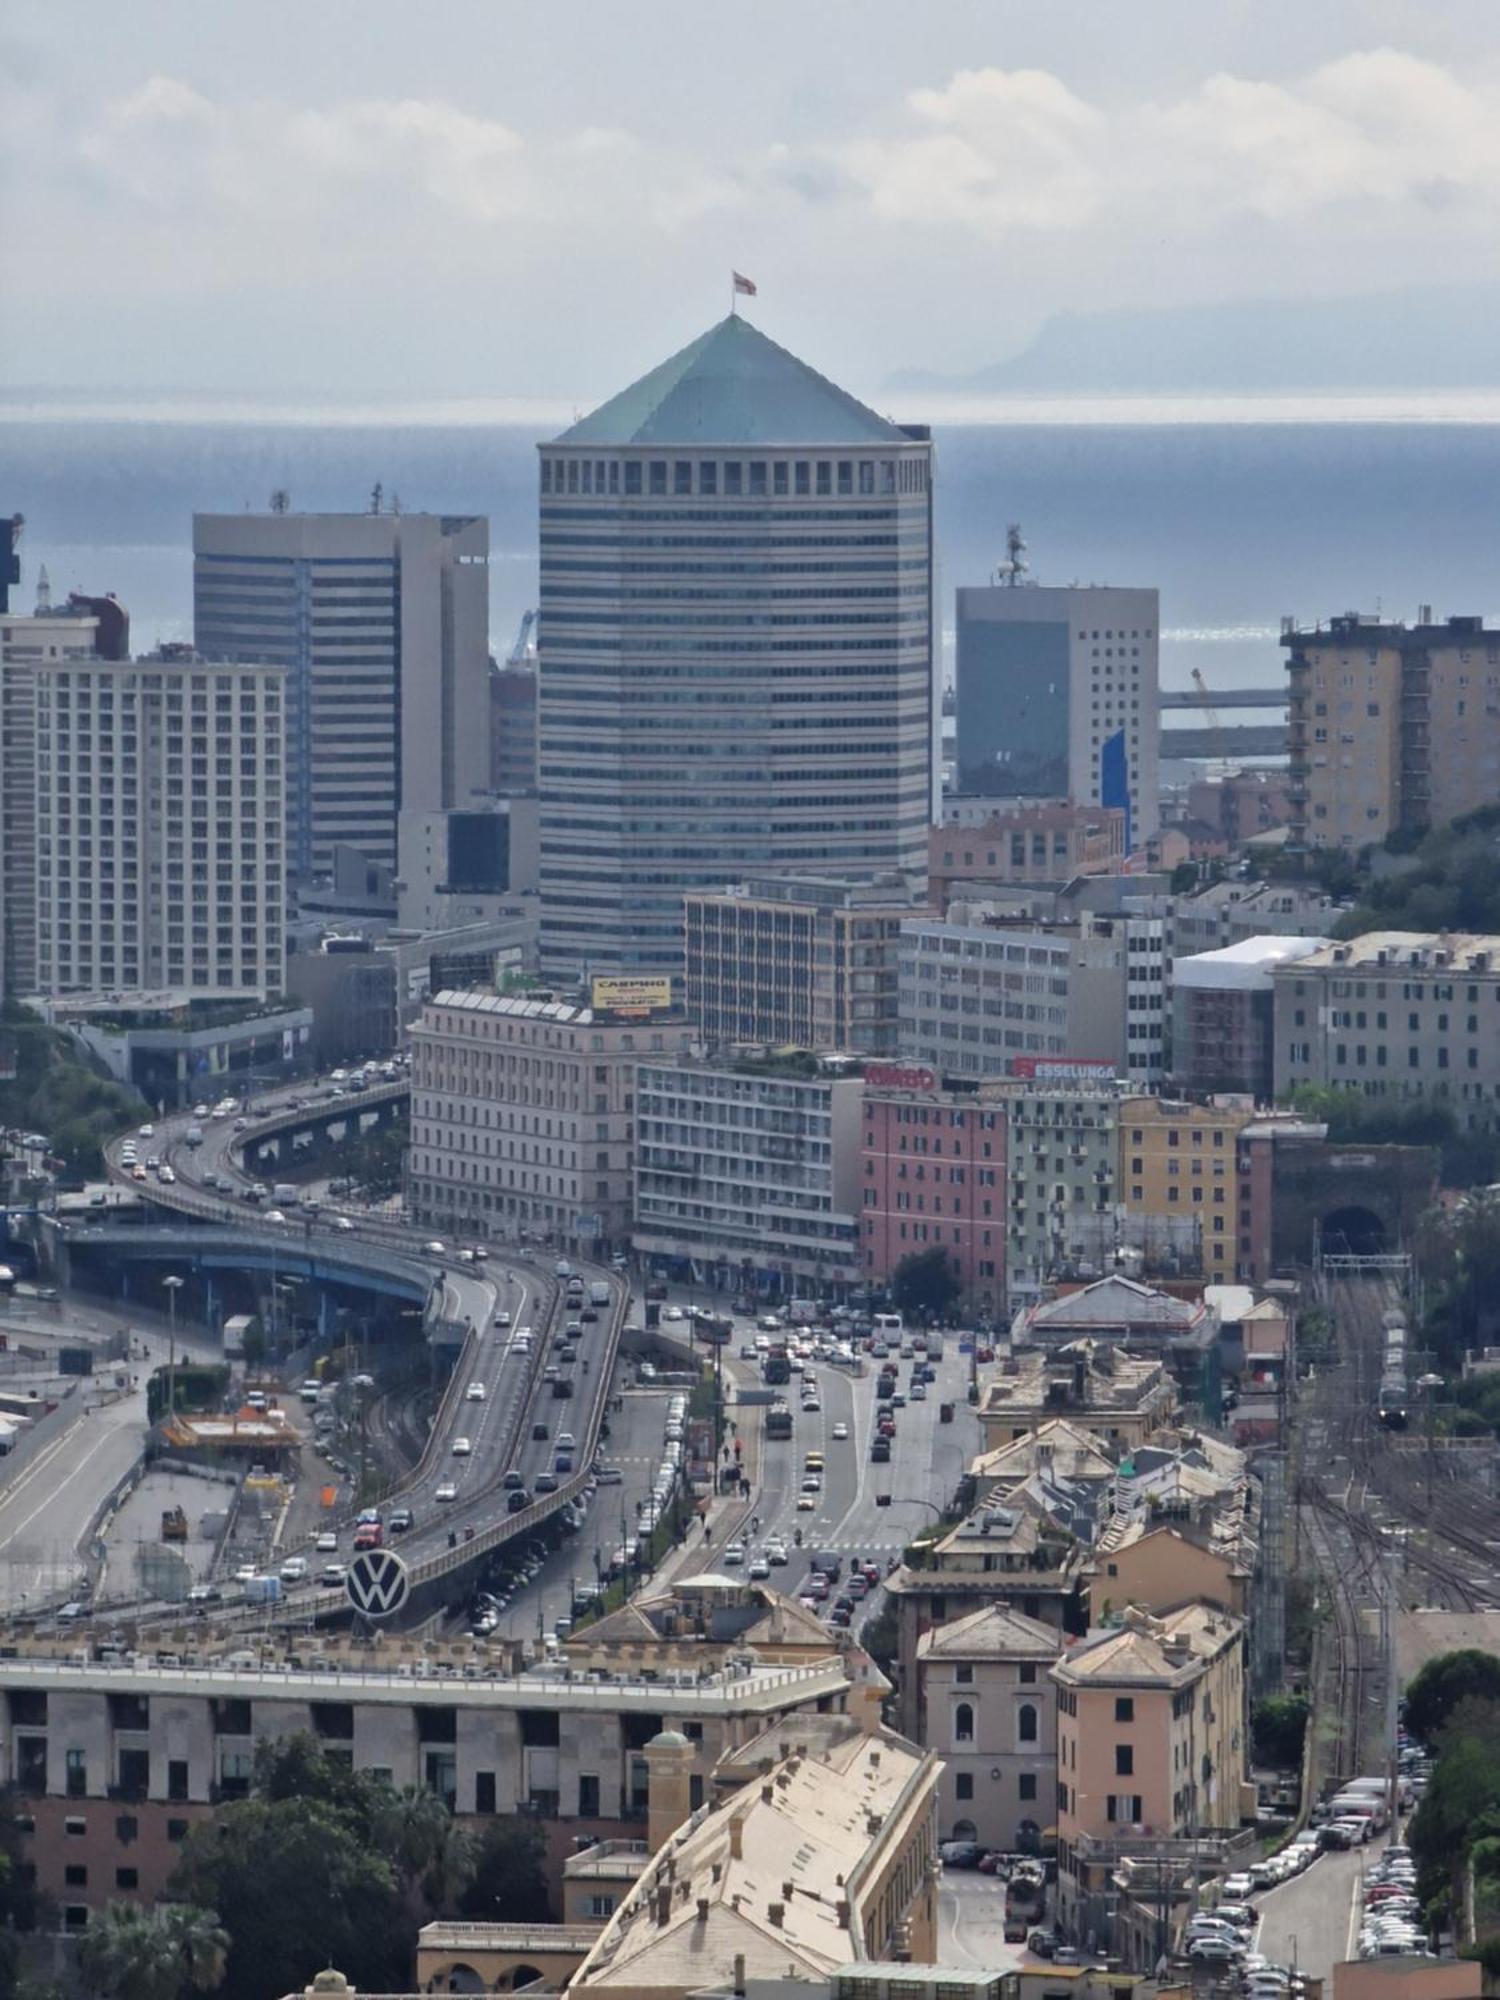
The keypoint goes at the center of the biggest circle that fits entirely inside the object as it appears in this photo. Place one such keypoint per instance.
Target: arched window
(963, 1723)
(964, 1829)
(1026, 1723)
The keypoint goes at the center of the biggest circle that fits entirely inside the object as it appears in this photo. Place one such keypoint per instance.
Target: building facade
(1223, 1015)
(1391, 726)
(1057, 697)
(1046, 842)
(512, 729)
(85, 628)
(987, 1706)
(735, 651)
(932, 1175)
(1179, 1162)
(803, 963)
(973, 996)
(1401, 1015)
(381, 622)
(523, 1115)
(749, 1172)
(1062, 1163)
(160, 816)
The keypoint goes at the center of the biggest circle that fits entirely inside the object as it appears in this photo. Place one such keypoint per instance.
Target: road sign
(377, 1583)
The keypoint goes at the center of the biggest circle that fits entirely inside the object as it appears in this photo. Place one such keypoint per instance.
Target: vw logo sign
(377, 1583)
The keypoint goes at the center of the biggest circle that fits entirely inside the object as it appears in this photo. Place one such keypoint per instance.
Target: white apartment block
(160, 815)
(1399, 1015)
(523, 1116)
(381, 621)
(750, 1170)
(986, 1704)
(975, 996)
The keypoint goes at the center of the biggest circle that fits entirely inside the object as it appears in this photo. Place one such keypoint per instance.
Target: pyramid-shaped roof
(733, 386)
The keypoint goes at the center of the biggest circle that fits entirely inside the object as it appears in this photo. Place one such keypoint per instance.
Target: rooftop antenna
(280, 500)
(395, 502)
(1015, 566)
(376, 492)
(43, 590)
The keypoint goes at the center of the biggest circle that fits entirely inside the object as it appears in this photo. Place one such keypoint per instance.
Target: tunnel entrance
(1352, 1232)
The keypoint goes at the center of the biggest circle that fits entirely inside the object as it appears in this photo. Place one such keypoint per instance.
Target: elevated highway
(476, 1309)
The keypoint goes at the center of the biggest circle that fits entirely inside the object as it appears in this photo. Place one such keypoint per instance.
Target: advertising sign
(900, 1076)
(1062, 1069)
(377, 1583)
(635, 998)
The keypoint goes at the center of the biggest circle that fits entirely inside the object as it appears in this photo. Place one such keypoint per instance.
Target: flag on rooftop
(744, 286)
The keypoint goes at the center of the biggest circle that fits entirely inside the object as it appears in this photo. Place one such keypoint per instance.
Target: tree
(430, 1852)
(1278, 1725)
(508, 1883)
(1462, 1801)
(134, 1953)
(1442, 1683)
(925, 1283)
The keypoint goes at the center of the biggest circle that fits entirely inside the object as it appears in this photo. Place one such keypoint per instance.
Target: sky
(541, 198)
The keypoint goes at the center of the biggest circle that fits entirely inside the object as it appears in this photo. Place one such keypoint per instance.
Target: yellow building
(1178, 1170)
(1151, 1745)
(1344, 732)
(1154, 1568)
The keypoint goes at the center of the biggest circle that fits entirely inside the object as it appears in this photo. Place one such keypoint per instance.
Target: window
(1026, 1723)
(77, 1774)
(1124, 1760)
(127, 1878)
(588, 1795)
(963, 1723)
(484, 1792)
(127, 1828)
(1027, 1786)
(76, 1875)
(177, 1778)
(963, 1785)
(964, 1676)
(1028, 1673)
(1124, 1708)
(177, 1829)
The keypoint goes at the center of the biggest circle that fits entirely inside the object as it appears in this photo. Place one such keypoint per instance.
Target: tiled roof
(733, 386)
(994, 1631)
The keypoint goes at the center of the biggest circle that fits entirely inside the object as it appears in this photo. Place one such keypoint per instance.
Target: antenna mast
(1015, 566)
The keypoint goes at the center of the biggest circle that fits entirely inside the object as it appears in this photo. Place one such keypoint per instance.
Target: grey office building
(382, 623)
(735, 647)
(1057, 697)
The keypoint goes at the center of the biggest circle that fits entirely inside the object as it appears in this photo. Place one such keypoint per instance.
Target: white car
(672, 1312)
(462, 1447)
(474, 1393)
(145, 1131)
(294, 1569)
(840, 1433)
(1237, 1888)
(447, 1491)
(734, 1555)
(502, 1318)
(776, 1554)
(342, 1222)
(435, 1248)
(332, 1576)
(327, 1541)
(274, 1215)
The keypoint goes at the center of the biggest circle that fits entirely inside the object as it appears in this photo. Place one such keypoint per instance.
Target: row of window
(755, 478)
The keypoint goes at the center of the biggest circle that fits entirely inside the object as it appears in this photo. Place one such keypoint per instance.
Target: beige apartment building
(523, 1115)
(1151, 1745)
(1178, 1173)
(1096, 1385)
(987, 1706)
(1390, 726)
(1402, 1015)
(801, 961)
(1045, 842)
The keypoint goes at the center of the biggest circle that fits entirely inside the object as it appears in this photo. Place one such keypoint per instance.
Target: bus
(887, 1327)
(779, 1420)
(776, 1368)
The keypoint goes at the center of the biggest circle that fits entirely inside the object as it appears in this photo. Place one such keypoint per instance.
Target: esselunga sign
(632, 996)
(899, 1076)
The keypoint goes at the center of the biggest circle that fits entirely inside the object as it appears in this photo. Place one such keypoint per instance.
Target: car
(673, 1313)
(447, 1490)
(205, 1593)
(436, 1248)
(327, 1541)
(919, 1392)
(734, 1555)
(294, 1569)
(812, 1483)
(564, 1441)
(1237, 1887)
(776, 1554)
(609, 1475)
(1214, 1950)
(462, 1447)
(145, 1132)
(807, 1503)
(748, 1350)
(402, 1521)
(275, 1215)
(960, 1853)
(519, 1500)
(474, 1393)
(502, 1317)
(760, 1566)
(342, 1222)
(1041, 1941)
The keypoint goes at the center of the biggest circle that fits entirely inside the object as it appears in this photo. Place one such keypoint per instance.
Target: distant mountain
(1417, 338)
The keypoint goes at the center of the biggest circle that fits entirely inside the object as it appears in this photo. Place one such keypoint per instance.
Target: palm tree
(430, 1852)
(132, 1953)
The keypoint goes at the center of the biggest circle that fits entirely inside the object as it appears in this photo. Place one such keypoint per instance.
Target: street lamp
(173, 1285)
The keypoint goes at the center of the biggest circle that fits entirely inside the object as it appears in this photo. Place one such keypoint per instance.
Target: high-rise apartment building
(1057, 697)
(799, 960)
(84, 628)
(160, 842)
(1390, 726)
(381, 621)
(735, 646)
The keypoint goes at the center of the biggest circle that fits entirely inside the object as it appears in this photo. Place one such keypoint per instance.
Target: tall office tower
(381, 621)
(83, 628)
(160, 826)
(512, 730)
(735, 647)
(1057, 697)
(1370, 704)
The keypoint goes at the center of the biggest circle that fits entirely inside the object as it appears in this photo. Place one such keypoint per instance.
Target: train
(1394, 1387)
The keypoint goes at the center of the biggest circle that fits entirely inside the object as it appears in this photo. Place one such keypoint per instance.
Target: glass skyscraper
(735, 647)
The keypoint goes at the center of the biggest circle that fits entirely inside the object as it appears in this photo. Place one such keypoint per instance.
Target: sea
(1240, 514)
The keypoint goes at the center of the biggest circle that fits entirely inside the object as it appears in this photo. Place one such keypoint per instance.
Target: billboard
(900, 1076)
(1062, 1069)
(634, 998)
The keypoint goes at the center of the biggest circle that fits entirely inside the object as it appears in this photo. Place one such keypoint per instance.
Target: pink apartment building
(932, 1173)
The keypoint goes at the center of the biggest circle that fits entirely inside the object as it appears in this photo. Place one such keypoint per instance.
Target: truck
(283, 1194)
(262, 1589)
(194, 1135)
(598, 1293)
(174, 1526)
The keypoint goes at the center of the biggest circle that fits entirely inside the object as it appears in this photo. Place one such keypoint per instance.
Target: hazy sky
(541, 197)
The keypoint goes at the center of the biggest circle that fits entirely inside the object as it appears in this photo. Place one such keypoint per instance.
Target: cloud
(1000, 152)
